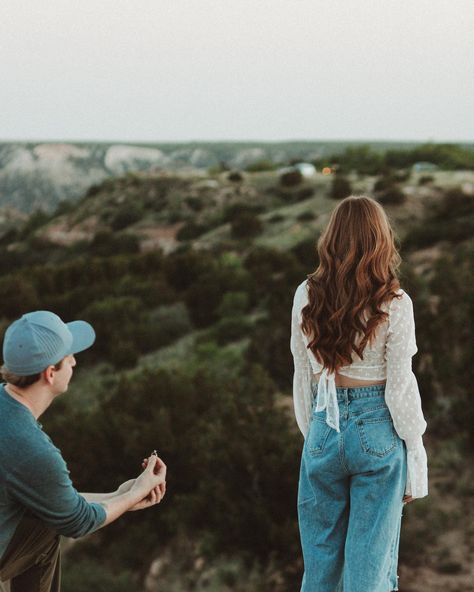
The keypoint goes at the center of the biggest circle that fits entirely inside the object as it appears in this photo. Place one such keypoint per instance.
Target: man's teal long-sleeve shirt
(34, 478)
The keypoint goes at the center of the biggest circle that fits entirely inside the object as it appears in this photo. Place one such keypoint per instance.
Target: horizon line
(233, 141)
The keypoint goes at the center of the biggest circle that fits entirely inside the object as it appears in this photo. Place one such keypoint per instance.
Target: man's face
(63, 376)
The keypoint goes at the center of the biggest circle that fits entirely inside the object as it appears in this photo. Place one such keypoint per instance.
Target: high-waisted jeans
(350, 496)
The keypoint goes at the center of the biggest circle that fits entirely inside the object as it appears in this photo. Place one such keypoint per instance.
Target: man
(37, 499)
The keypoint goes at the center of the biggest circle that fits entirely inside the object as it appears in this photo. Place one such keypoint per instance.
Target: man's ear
(48, 374)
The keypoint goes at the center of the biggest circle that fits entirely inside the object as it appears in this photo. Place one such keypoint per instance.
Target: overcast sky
(179, 70)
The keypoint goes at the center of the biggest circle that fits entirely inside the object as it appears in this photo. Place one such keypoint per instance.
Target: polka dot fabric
(388, 357)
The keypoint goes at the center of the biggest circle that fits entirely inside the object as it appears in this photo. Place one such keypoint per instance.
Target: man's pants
(32, 560)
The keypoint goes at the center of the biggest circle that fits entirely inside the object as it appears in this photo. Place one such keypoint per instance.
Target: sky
(190, 70)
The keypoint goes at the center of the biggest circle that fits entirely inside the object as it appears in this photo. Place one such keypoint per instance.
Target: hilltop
(166, 210)
(188, 278)
(39, 176)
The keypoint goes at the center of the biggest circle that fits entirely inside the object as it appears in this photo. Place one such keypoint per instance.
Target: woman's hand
(407, 499)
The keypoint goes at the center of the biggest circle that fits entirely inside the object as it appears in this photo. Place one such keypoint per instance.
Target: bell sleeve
(303, 374)
(402, 395)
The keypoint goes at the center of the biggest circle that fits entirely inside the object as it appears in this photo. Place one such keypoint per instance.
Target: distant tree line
(367, 161)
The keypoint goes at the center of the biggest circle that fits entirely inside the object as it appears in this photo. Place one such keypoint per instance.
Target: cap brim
(83, 336)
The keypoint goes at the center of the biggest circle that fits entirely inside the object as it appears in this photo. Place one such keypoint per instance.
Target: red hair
(357, 273)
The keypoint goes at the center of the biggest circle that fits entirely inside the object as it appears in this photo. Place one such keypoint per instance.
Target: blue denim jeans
(350, 496)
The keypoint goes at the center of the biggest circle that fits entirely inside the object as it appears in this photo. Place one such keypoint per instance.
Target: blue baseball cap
(40, 339)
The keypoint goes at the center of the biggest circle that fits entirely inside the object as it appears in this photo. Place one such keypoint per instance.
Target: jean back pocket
(377, 435)
(318, 434)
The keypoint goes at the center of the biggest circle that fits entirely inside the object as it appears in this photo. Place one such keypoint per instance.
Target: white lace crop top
(389, 357)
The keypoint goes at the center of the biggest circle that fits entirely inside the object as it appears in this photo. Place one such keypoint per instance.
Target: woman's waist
(344, 393)
(348, 381)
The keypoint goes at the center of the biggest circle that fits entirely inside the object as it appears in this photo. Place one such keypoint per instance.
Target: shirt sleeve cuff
(417, 472)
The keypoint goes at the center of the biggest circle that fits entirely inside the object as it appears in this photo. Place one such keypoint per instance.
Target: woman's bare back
(347, 382)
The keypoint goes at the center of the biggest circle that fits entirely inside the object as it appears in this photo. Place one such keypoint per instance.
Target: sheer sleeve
(303, 374)
(402, 395)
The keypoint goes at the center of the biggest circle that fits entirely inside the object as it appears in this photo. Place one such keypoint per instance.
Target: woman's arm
(303, 374)
(402, 395)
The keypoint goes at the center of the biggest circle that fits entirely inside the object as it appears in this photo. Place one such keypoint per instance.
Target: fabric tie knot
(327, 398)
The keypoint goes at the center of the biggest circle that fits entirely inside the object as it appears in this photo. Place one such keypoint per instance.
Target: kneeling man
(38, 501)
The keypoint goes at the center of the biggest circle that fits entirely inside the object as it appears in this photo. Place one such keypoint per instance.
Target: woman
(357, 404)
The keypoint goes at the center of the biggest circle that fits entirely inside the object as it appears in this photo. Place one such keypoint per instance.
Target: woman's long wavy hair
(357, 273)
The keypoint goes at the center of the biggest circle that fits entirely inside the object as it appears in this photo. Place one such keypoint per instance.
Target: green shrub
(449, 567)
(123, 354)
(203, 299)
(446, 156)
(152, 292)
(306, 216)
(115, 321)
(435, 231)
(340, 187)
(190, 231)
(362, 159)
(304, 193)
(383, 183)
(125, 216)
(166, 324)
(237, 209)
(276, 218)
(425, 179)
(245, 225)
(195, 203)
(233, 303)
(261, 166)
(291, 178)
(89, 574)
(183, 269)
(107, 244)
(392, 196)
(235, 177)
(306, 253)
(455, 203)
(17, 296)
(36, 220)
(232, 329)
(452, 219)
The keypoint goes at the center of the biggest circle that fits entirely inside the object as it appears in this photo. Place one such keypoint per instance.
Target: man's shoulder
(39, 461)
(24, 442)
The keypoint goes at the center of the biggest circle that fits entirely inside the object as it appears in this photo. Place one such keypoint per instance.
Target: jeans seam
(341, 454)
(392, 551)
(362, 411)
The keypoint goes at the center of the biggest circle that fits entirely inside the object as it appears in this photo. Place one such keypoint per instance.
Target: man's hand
(138, 493)
(163, 485)
(154, 497)
(126, 486)
(152, 483)
(407, 499)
